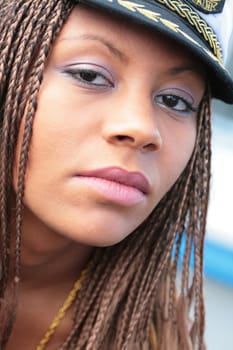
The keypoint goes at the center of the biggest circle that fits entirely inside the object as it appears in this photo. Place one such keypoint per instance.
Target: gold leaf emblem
(130, 5)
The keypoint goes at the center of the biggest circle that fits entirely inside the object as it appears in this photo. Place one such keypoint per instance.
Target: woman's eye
(90, 77)
(175, 103)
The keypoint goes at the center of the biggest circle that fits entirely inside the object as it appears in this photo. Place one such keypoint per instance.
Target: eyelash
(173, 97)
(76, 73)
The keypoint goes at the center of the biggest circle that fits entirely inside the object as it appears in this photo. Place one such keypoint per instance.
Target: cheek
(178, 149)
(183, 148)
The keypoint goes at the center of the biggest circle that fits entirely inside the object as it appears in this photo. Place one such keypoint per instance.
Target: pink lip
(117, 185)
(121, 176)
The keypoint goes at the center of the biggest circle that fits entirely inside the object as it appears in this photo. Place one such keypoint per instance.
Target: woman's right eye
(90, 77)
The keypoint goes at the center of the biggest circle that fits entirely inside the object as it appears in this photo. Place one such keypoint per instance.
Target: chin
(103, 239)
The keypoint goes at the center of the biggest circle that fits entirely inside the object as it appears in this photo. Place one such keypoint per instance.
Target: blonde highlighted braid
(129, 298)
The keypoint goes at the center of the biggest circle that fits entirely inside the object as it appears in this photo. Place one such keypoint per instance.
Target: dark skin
(40, 298)
(53, 256)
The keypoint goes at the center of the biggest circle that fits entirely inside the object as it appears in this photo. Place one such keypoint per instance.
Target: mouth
(118, 185)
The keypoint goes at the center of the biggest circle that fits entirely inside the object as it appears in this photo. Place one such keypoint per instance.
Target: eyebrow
(119, 54)
(192, 67)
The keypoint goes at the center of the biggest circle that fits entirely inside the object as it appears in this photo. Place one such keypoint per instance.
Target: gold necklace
(62, 311)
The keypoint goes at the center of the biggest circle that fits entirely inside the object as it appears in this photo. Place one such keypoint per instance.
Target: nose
(133, 124)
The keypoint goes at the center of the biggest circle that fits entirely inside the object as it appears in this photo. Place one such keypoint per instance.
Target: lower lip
(114, 191)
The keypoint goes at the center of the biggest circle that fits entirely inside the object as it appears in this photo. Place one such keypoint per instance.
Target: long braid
(201, 194)
(24, 52)
(151, 284)
(122, 285)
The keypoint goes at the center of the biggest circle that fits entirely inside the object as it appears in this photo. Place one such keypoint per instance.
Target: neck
(54, 267)
(48, 258)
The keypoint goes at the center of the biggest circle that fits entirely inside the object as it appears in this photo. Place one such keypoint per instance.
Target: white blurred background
(219, 240)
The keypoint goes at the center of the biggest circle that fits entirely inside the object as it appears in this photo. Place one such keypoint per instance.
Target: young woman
(105, 166)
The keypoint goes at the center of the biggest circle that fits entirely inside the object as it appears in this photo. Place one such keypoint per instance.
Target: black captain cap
(202, 26)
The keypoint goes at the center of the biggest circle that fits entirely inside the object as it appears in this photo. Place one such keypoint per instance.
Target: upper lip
(122, 176)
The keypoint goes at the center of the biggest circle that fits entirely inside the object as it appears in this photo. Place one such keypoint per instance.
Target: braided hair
(129, 299)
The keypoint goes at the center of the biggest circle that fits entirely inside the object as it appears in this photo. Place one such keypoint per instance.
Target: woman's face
(114, 129)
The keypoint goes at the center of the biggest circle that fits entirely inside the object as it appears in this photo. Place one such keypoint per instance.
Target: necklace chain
(62, 311)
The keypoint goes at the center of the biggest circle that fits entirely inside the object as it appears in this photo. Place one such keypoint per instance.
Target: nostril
(124, 138)
(150, 147)
(144, 141)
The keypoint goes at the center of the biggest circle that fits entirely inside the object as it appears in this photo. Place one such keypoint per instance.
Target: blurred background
(218, 262)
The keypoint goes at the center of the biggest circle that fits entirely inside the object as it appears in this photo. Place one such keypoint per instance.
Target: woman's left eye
(90, 77)
(175, 103)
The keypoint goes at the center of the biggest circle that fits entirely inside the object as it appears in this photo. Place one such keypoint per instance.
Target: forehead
(86, 21)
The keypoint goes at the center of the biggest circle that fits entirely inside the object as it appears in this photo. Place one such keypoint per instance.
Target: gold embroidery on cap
(150, 14)
(207, 5)
(130, 5)
(196, 21)
(173, 26)
(184, 11)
